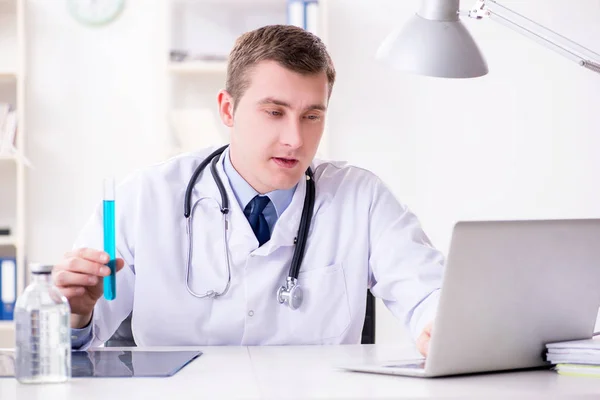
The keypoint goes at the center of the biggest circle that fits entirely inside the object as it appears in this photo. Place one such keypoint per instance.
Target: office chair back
(368, 332)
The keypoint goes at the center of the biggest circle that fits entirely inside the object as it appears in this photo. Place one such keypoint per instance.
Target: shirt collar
(244, 193)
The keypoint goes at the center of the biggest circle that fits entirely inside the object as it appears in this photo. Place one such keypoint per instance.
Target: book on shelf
(304, 14)
(8, 287)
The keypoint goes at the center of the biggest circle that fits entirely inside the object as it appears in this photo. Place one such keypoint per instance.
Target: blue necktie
(254, 213)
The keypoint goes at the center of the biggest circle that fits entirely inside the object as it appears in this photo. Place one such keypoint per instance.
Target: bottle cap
(38, 268)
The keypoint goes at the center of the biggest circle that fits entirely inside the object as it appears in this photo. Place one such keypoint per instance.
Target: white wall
(93, 110)
(522, 142)
(519, 143)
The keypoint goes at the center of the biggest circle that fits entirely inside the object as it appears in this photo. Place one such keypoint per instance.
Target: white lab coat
(360, 237)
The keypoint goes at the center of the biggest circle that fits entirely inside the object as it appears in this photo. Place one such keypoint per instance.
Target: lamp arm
(544, 36)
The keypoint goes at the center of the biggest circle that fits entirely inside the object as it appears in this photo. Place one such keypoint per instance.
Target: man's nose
(292, 135)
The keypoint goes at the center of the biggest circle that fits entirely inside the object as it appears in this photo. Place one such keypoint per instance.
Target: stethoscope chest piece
(291, 294)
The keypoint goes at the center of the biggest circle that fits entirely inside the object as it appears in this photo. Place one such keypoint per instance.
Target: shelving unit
(8, 241)
(7, 334)
(8, 157)
(12, 165)
(198, 67)
(190, 99)
(6, 326)
(8, 75)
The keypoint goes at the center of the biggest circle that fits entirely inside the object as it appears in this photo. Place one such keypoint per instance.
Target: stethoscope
(291, 294)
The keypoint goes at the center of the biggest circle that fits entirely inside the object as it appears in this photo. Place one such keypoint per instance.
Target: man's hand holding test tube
(85, 274)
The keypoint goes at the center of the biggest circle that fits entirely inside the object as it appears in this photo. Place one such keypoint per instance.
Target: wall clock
(95, 12)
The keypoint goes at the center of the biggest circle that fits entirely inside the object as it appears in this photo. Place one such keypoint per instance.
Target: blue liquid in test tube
(110, 282)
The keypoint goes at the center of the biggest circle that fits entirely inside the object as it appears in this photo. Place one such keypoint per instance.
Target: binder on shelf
(8, 128)
(311, 12)
(8, 287)
(304, 14)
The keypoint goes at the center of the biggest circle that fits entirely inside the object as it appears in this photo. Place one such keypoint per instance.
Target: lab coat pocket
(325, 309)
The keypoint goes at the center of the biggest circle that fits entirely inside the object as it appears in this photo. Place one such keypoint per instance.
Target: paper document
(577, 354)
(578, 370)
(576, 344)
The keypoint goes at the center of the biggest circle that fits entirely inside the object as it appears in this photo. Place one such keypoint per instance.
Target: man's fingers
(428, 328)
(423, 344)
(84, 266)
(120, 264)
(86, 253)
(64, 278)
(73, 291)
(424, 339)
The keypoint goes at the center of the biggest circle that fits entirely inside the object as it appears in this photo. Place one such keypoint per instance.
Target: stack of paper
(577, 357)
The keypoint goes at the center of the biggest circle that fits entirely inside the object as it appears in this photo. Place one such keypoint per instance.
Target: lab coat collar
(240, 232)
(244, 193)
(241, 237)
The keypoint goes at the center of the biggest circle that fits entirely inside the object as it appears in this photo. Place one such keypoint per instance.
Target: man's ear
(225, 107)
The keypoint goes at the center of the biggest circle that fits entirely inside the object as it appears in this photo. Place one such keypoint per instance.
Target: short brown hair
(292, 47)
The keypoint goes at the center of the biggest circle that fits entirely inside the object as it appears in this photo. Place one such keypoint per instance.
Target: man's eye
(274, 113)
(313, 117)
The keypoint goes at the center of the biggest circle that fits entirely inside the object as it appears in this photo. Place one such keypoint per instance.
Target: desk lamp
(434, 42)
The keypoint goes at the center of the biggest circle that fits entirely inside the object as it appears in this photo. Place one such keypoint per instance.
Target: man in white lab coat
(279, 82)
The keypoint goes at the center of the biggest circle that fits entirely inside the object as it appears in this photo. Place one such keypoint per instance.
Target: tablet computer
(107, 363)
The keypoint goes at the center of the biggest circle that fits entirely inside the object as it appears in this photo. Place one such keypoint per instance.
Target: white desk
(304, 372)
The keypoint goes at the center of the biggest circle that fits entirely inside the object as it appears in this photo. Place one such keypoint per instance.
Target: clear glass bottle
(43, 342)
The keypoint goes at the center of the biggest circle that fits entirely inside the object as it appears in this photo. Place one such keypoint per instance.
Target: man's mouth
(285, 162)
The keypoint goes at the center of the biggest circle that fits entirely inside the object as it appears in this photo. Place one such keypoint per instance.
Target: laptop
(509, 288)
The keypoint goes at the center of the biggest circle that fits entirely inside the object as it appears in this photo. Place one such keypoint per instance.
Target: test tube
(110, 281)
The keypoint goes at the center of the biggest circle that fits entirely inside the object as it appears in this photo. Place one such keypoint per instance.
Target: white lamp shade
(442, 49)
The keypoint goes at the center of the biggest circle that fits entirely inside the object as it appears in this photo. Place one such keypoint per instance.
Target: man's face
(277, 125)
